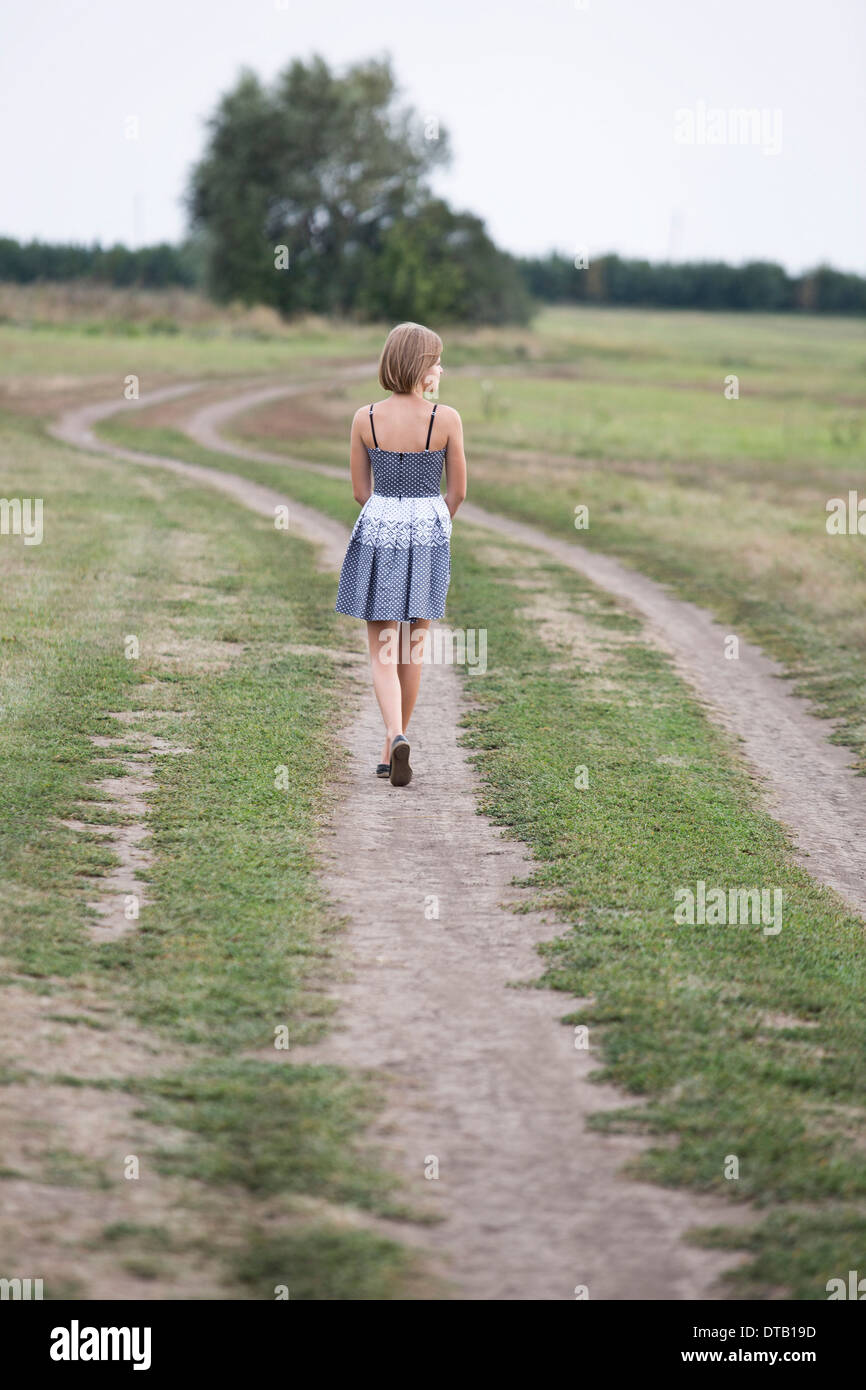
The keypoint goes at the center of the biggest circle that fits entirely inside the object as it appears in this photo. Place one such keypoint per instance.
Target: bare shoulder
(360, 421)
(449, 416)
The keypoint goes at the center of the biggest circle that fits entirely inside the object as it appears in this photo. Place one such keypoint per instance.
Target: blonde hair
(410, 351)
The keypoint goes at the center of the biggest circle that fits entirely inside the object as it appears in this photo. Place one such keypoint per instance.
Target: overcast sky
(562, 115)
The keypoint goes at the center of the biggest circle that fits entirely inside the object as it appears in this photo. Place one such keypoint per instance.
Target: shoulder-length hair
(410, 351)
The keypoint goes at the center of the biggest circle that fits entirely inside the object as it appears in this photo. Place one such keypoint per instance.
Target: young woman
(398, 562)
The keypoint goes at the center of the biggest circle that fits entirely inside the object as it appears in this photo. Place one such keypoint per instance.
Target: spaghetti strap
(373, 428)
(430, 427)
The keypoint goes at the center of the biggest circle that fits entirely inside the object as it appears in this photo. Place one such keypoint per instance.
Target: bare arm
(455, 464)
(359, 462)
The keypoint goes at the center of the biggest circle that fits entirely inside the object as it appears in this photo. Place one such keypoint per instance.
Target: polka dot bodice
(407, 474)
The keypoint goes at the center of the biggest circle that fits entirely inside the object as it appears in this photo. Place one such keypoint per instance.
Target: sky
(582, 125)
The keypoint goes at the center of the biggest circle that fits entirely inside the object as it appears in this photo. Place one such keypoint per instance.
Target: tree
(320, 164)
(440, 265)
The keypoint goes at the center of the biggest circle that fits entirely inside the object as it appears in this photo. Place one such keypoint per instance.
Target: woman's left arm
(359, 461)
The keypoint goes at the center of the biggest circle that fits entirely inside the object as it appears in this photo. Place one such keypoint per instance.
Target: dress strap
(373, 428)
(430, 428)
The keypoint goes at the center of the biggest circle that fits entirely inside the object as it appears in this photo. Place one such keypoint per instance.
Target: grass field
(739, 1044)
(723, 499)
(237, 936)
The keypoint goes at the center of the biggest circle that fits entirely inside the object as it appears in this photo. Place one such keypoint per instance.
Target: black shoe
(401, 772)
(383, 769)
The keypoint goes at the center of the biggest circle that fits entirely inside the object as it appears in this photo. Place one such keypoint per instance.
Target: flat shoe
(401, 772)
(383, 769)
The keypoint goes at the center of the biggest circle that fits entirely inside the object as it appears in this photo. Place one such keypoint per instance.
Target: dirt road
(484, 1085)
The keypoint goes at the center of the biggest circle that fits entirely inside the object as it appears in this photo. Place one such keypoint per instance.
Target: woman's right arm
(455, 463)
(359, 461)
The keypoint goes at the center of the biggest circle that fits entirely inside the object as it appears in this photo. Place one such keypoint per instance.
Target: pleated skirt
(397, 565)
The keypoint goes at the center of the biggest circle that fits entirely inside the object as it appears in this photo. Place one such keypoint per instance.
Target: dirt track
(480, 1076)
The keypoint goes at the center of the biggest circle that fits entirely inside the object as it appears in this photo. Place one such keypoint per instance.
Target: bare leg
(386, 681)
(409, 672)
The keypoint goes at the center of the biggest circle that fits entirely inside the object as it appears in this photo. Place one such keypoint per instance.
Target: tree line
(758, 285)
(453, 293)
(147, 267)
(312, 195)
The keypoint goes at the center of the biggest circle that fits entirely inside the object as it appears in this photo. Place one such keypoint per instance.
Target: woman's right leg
(409, 670)
(384, 656)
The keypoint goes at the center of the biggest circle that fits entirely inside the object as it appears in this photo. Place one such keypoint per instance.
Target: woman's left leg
(382, 639)
(409, 671)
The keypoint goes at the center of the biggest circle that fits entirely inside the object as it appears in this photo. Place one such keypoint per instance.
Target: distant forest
(553, 279)
(312, 195)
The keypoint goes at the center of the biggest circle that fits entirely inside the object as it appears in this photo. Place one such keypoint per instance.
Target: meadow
(725, 499)
(735, 1044)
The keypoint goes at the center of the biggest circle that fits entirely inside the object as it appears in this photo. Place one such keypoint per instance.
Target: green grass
(325, 1264)
(63, 1168)
(787, 354)
(737, 1043)
(812, 1240)
(725, 500)
(233, 875)
(153, 1238)
(267, 1129)
(731, 523)
(584, 419)
(239, 932)
(112, 350)
(764, 567)
(687, 1016)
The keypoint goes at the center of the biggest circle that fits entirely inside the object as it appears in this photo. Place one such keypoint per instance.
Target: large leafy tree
(438, 264)
(318, 163)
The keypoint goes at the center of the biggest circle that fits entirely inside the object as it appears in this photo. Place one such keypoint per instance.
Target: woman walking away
(398, 562)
